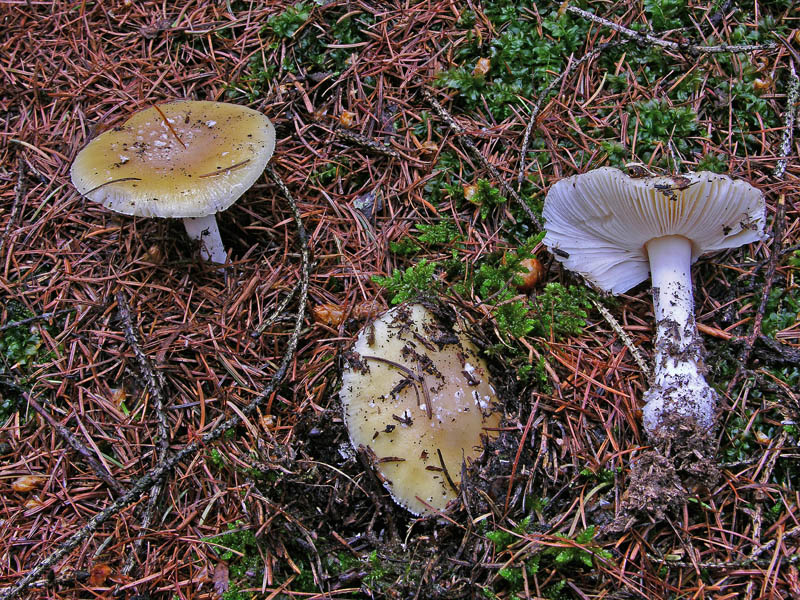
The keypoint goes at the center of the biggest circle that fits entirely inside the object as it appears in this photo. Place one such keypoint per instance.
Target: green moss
(307, 41)
(21, 348)
(487, 197)
(414, 281)
(215, 458)
(782, 310)
(431, 236)
(579, 555)
(233, 593)
(240, 548)
(286, 24)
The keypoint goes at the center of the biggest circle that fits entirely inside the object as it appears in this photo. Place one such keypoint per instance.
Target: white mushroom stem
(205, 230)
(678, 387)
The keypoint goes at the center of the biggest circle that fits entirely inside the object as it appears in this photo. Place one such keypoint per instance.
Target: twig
(19, 192)
(366, 142)
(470, 145)
(277, 312)
(657, 41)
(155, 385)
(752, 559)
(76, 444)
(758, 517)
(154, 381)
(788, 125)
(146, 482)
(626, 339)
(778, 223)
(449, 479)
(33, 319)
(571, 66)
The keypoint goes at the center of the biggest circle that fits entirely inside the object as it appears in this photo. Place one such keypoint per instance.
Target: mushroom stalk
(678, 386)
(205, 230)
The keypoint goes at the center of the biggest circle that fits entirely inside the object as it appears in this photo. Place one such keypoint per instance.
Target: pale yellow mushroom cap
(436, 371)
(196, 163)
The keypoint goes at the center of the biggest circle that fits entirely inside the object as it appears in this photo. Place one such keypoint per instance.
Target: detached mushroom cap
(598, 223)
(196, 163)
(402, 361)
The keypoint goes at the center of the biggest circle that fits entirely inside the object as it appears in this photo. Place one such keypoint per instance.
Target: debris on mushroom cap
(599, 222)
(180, 159)
(417, 396)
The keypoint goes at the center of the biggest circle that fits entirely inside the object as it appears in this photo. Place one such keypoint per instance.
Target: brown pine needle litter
(171, 430)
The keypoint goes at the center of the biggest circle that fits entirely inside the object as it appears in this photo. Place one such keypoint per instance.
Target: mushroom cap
(598, 223)
(141, 168)
(385, 408)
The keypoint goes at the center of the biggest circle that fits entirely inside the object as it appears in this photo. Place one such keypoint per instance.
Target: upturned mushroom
(616, 230)
(186, 160)
(417, 397)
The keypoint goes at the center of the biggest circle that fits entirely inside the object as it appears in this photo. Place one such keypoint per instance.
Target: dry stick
(470, 145)
(277, 312)
(154, 382)
(769, 277)
(571, 66)
(626, 339)
(777, 225)
(76, 444)
(19, 192)
(657, 41)
(367, 142)
(753, 559)
(146, 482)
(33, 319)
(759, 512)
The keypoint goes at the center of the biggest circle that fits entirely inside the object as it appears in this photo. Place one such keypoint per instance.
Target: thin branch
(788, 126)
(154, 381)
(626, 339)
(144, 484)
(19, 192)
(657, 41)
(155, 385)
(33, 319)
(75, 443)
(778, 223)
(571, 66)
(473, 149)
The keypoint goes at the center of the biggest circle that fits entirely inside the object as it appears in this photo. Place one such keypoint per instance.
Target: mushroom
(186, 160)
(616, 230)
(417, 397)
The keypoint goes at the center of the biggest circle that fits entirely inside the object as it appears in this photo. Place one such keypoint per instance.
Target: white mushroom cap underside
(598, 223)
(462, 405)
(140, 168)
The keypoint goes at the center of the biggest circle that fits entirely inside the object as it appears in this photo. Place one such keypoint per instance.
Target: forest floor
(401, 133)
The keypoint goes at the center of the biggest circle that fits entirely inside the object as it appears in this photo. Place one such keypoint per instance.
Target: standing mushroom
(615, 230)
(417, 397)
(185, 160)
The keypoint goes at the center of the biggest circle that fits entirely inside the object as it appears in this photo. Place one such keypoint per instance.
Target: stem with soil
(678, 387)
